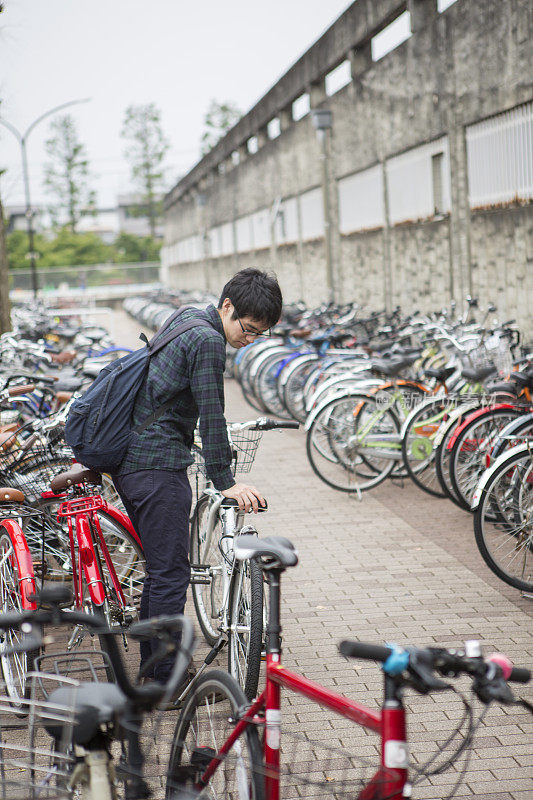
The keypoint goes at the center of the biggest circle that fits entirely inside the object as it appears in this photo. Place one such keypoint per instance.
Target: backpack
(99, 423)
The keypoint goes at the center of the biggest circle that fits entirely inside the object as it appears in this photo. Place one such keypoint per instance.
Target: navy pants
(158, 502)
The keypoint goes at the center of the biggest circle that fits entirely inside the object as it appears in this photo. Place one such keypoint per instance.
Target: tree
(146, 152)
(220, 117)
(5, 316)
(67, 173)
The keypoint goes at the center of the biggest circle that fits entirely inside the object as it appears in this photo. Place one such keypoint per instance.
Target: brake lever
(422, 677)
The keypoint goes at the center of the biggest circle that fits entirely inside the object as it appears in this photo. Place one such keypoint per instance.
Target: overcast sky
(178, 54)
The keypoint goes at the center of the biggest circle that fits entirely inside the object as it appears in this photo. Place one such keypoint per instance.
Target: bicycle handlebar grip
(370, 652)
(520, 675)
(269, 424)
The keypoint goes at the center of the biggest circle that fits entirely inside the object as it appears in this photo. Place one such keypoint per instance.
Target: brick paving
(398, 566)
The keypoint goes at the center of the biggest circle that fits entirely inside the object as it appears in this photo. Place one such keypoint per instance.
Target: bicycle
(229, 748)
(227, 595)
(95, 729)
(92, 544)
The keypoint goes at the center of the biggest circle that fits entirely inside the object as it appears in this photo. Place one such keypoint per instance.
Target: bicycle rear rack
(81, 505)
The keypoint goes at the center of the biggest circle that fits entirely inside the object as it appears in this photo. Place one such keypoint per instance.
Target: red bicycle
(223, 747)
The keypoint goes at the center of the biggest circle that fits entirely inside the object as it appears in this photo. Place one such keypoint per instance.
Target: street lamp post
(22, 139)
(321, 118)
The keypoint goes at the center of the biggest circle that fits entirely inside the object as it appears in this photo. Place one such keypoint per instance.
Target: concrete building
(420, 191)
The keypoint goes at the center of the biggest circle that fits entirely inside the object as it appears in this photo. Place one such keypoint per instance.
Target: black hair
(254, 294)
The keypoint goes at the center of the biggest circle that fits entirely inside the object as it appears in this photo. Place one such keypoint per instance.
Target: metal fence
(52, 279)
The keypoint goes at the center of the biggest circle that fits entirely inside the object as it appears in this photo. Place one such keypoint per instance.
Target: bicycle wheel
(245, 640)
(293, 388)
(14, 666)
(208, 597)
(470, 450)
(417, 445)
(503, 521)
(348, 452)
(207, 719)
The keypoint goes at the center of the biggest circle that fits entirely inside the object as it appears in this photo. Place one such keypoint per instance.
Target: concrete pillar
(317, 93)
(360, 59)
(461, 282)
(262, 137)
(285, 118)
(422, 12)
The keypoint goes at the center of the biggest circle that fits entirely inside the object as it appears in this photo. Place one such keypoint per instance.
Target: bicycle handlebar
(264, 424)
(490, 675)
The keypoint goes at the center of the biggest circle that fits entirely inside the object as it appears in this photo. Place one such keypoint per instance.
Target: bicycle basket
(244, 446)
(493, 352)
(32, 469)
(308, 768)
(29, 768)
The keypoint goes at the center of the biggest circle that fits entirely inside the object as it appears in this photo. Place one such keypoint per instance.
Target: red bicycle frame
(389, 723)
(21, 559)
(86, 565)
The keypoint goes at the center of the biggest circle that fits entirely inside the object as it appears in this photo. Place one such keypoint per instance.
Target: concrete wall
(468, 63)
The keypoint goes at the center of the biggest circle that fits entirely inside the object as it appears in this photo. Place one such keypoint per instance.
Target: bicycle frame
(389, 723)
(84, 511)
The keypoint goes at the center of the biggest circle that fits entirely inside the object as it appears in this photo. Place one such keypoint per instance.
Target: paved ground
(399, 566)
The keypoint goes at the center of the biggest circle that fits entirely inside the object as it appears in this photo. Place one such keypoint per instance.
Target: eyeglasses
(255, 334)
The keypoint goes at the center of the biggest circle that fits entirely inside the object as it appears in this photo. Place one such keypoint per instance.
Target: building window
(437, 167)
(500, 158)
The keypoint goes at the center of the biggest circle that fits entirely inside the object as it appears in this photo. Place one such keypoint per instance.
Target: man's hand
(248, 497)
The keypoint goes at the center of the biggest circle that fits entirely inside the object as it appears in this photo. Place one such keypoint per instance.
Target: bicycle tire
(205, 721)
(246, 612)
(15, 667)
(207, 598)
(417, 450)
(468, 454)
(502, 539)
(349, 470)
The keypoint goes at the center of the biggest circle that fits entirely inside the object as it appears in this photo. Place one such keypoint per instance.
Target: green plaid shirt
(193, 366)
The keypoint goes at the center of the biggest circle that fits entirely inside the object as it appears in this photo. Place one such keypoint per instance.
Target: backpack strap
(171, 335)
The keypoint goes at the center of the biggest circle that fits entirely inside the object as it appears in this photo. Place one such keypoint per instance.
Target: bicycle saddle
(82, 709)
(479, 374)
(228, 502)
(274, 551)
(391, 367)
(68, 384)
(9, 495)
(441, 374)
(76, 474)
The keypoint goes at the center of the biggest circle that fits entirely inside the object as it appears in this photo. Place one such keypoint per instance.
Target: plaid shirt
(191, 365)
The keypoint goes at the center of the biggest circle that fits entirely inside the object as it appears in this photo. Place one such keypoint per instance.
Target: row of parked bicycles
(73, 720)
(442, 400)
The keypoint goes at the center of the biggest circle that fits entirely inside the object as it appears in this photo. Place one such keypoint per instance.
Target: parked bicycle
(228, 595)
(224, 747)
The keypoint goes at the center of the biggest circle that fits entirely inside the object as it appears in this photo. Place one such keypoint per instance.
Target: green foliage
(130, 248)
(68, 248)
(220, 117)
(146, 151)
(67, 173)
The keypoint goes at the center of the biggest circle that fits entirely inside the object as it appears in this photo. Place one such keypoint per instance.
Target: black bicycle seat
(441, 374)
(82, 709)
(390, 367)
(478, 375)
(274, 551)
(229, 502)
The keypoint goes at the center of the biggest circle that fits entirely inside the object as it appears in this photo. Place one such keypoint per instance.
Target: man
(152, 479)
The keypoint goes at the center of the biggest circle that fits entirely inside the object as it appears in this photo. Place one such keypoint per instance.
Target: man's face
(240, 331)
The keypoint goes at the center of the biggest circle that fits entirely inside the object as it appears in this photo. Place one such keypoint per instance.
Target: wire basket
(308, 768)
(493, 352)
(30, 767)
(243, 444)
(31, 469)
